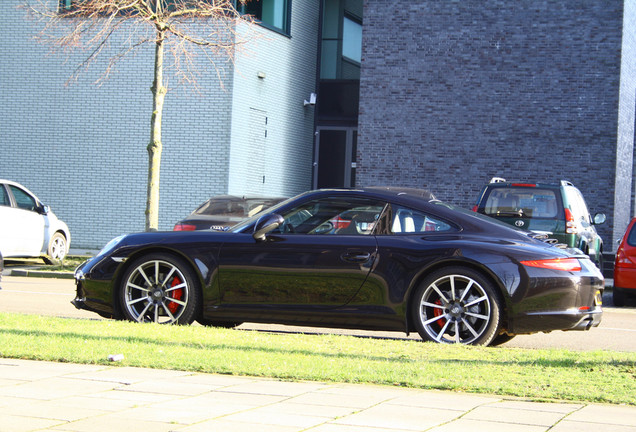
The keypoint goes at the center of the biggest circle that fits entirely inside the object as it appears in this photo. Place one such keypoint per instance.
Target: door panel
(295, 270)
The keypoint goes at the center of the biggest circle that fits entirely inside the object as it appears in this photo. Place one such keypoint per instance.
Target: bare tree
(187, 29)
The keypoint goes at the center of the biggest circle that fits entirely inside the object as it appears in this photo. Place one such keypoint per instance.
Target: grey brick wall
(82, 149)
(454, 93)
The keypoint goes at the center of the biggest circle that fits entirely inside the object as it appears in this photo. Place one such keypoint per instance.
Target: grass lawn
(599, 376)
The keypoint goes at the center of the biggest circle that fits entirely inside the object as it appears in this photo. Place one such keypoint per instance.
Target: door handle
(356, 257)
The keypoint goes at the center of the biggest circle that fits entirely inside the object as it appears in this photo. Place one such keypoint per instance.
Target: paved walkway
(44, 396)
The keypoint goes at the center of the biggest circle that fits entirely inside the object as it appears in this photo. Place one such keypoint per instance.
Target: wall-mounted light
(261, 74)
(311, 101)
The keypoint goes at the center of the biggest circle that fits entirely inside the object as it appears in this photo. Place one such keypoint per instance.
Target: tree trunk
(155, 146)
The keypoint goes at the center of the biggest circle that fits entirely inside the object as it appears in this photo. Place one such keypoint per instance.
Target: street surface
(44, 296)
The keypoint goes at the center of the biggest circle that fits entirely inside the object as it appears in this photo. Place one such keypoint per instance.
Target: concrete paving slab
(235, 426)
(276, 388)
(331, 427)
(577, 426)
(291, 407)
(515, 416)
(443, 400)
(260, 416)
(463, 425)
(12, 423)
(53, 388)
(398, 417)
(113, 422)
(128, 375)
(605, 414)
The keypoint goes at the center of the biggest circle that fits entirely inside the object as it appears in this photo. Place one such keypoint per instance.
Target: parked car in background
(557, 210)
(29, 228)
(625, 267)
(223, 211)
(374, 258)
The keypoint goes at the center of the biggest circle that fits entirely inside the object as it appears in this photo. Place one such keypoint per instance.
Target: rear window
(521, 202)
(631, 238)
(235, 207)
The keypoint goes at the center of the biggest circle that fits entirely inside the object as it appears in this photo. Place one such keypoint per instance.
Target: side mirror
(266, 224)
(599, 218)
(43, 209)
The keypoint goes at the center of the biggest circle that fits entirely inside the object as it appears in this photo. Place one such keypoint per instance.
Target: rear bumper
(566, 320)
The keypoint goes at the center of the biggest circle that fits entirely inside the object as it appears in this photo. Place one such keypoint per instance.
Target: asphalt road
(46, 296)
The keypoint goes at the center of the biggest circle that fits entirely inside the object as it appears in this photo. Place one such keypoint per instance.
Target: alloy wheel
(156, 291)
(455, 308)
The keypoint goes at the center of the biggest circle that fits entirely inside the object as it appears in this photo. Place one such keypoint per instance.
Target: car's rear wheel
(159, 288)
(457, 305)
(619, 297)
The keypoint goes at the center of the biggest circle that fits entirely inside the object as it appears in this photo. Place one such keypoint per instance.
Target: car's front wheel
(159, 288)
(457, 305)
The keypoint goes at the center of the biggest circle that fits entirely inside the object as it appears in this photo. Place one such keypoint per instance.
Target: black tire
(221, 324)
(619, 298)
(159, 288)
(501, 339)
(56, 249)
(457, 305)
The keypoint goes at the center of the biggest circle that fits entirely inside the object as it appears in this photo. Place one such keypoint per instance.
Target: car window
(577, 205)
(631, 238)
(406, 220)
(521, 202)
(221, 208)
(23, 199)
(4, 197)
(333, 216)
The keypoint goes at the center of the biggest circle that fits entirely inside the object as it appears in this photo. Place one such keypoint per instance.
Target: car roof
(382, 192)
(499, 182)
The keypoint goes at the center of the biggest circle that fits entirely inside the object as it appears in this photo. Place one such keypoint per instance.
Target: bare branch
(191, 29)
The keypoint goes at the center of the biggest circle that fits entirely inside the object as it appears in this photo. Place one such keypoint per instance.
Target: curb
(38, 273)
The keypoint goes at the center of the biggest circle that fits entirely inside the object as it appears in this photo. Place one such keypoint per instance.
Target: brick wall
(454, 93)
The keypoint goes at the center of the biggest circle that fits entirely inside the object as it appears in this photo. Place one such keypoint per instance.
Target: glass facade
(341, 45)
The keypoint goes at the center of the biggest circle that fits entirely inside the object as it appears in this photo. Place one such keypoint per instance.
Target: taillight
(184, 227)
(570, 225)
(623, 261)
(565, 264)
(524, 184)
(475, 208)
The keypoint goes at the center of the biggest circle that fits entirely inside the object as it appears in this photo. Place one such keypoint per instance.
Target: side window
(23, 199)
(333, 216)
(4, 197)
(578, 206)
(405, 220)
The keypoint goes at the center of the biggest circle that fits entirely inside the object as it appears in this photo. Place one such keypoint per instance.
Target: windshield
(523, 202)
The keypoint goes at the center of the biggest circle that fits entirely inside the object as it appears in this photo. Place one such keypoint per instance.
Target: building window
(341, 50)
(273, 14)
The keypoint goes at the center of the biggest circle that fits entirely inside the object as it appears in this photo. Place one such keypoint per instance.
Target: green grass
(599, 376)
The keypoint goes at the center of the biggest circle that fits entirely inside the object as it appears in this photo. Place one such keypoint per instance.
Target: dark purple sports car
(374, 258)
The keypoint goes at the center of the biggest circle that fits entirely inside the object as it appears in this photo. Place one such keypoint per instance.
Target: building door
(257, 149)
(335, 158)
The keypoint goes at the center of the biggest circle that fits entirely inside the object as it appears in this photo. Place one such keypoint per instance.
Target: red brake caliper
(175, 294)
(439, 312)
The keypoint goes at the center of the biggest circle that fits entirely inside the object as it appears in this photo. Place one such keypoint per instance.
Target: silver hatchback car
(29, 228)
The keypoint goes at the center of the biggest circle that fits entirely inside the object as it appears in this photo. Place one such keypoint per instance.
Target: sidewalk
(43, 396)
